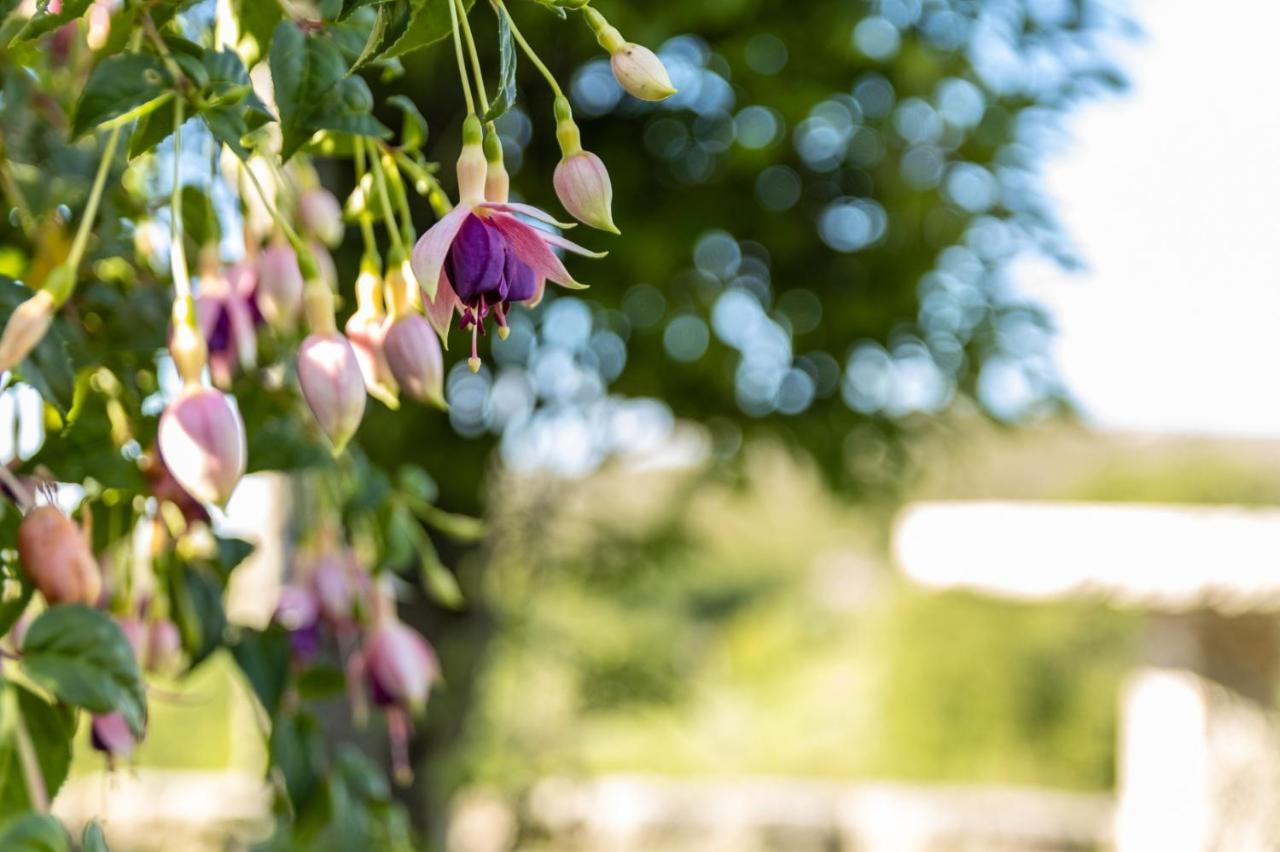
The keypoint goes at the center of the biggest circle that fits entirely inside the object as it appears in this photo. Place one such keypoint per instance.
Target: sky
(1171, 193)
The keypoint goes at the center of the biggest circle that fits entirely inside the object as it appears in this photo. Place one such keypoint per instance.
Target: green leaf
(93, 840)
(314, 91)
(297, 749)
(350, 6)
(231, 552)
(80, 655)
(44, 21)
(389, 25)
(152, 129)
(258, 20)
(505, 97)
(321, 682)
(15, 594)
(195, 600)
(34, 833)
(429, 23)
(263, 656)
(51, 729)
(121, 89)
(413, 133)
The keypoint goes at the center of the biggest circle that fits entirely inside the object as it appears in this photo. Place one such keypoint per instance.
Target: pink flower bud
(136, 632)
(56, 556)
(320, 214)
(413, 353)
(399, 665)
(583, 185)
(279, 293)
(110, 734)
(642, 73)
(339, 584)
(164, 647)
(201, 439)
(332, 385)
(368, 335)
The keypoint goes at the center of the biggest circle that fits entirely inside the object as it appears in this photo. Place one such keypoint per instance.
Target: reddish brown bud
(57, 558)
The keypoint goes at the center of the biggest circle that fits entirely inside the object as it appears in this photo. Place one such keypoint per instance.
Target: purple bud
(279, 293)
(332, 385)
(201, 439)
(400, 666)
(164, 646)
(110, 734)
(641, 73)
(320, 215)
(413, 353)
(583, 186)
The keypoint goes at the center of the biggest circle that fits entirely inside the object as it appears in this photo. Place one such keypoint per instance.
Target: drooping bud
(367, 331)
(280, 283)
(399, 666)
(414, 356)
(201, 439)
(164, 647)
(583, 186)
(110, 734)
(339, 585)
(298, 612)
(581, 179)
(136, 633)
(332, 385)
(638, 70)
(56, 557)
(320, 215)
(641, 73)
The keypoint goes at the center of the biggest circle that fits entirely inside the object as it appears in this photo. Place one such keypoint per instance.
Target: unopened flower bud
(414, 356)
(332, 385)
(164, 647)
(110, 734)
(280, 283)
(25, 329)
(136, 633)
(641, 73)
(298, 612)
(56, 557)
(583, 186)
(367, 331)
(320, 214)
(399, 665)
(339, 584)
(201, 439)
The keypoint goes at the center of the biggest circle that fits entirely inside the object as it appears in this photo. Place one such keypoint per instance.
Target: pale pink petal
(569, 245)
(526, 210)
(207, 309)
(532, 249)
(440, 309)
(432, 249)
(242, 332)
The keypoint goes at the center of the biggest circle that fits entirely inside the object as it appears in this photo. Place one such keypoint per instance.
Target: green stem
(475, 59)
(37, 792)
(365, 218)
(528, 50)
(81, 240)
(402, 197)
(300, 247)
(462, 62)
(434, 193)
(177, 250)
(397, 243)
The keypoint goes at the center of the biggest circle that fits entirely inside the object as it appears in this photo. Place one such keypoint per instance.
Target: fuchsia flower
(202, 442)
(480, 258)
(228, 315)
(110, 734)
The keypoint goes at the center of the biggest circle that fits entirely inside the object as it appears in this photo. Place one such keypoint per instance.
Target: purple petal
(475, 260)
(431, 250)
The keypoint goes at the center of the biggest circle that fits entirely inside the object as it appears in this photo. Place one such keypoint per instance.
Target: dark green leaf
(51, 729)
(297, 749)
(93, 840)
(231, 552)
(34, 833)
(80, 655)
(44, 21)
(389, 25)
(258, 20)
(429, 23)
(121, 89)
(152, 129)
(263, 656)
(195, 599)
(505, 97)
(321, 682)
(314, 92)
(350, 6)
(413, 133)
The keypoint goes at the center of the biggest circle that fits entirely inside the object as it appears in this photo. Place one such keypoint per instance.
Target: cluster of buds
(333, 594)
